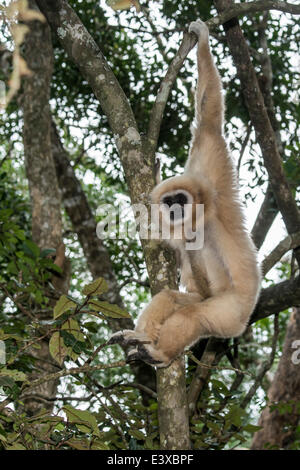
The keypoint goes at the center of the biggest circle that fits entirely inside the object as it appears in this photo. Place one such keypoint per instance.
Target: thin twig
(140, 387)
(243, 148)
(210, 366)
(72, 371)
(265, 366)
(20, 306)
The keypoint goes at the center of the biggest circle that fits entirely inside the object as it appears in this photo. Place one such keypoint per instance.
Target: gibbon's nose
(178, 200)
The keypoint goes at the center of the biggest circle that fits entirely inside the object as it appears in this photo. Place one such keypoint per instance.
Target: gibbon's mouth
(173, 204)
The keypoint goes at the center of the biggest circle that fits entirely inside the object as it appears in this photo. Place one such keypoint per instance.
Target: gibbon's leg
(162, 306)
(219, 316)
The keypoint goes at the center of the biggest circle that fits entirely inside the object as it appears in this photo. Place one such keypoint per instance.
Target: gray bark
(43, 187)
(279, 429)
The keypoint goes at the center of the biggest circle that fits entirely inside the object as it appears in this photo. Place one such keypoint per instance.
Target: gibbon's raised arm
(222, 278)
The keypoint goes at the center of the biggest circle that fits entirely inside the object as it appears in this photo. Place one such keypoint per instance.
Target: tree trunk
(279, 426)
(43, 187)
(173, 413)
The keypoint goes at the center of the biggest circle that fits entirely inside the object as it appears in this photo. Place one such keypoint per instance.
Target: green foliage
(100, 409)
(220, 421)
(70, 340)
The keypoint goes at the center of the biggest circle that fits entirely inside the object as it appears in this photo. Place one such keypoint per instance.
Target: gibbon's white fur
(222, 279)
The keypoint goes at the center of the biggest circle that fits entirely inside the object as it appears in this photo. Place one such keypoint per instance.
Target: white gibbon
(222, 279)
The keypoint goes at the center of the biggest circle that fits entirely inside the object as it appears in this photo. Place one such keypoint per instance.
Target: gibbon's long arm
(222, 278)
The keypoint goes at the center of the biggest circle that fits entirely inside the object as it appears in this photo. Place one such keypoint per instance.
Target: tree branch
(265, 218)
(241, 9)
(289, 243)
(261, 122)
(187, 44)
(277, 298)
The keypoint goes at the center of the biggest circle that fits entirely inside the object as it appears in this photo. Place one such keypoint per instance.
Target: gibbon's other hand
(200, 29)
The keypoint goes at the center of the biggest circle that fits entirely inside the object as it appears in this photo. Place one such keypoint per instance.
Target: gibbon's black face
(178, 201)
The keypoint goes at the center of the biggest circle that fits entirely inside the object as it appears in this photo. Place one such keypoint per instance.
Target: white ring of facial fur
(166, 211)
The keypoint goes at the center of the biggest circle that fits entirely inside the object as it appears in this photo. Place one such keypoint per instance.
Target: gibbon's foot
(143, 349)
(128, 338)
(141, 354)
(200, 29)
(147, 353)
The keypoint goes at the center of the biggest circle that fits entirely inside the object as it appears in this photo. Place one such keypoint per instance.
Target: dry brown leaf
(124, 4)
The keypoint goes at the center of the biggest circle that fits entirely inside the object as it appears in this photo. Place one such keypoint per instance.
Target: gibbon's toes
(149, 355)
(128, 338)
(120, 337)
(141, 354)
(199, 28)
(132, 356)
(116, 338)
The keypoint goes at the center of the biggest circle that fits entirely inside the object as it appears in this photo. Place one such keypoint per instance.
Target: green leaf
(91, 326)
(6, 381)
(234, 416)
(53, 267)
(79, 444)
(20, 234)
(82, 417)
(252, 428)
(47, 252)
(15, 446)
(220, 387)
(99, 286)
(216, 428)
(12, 267)
(137, 434)
(72, 326)
(31, 249)
(108, 309)
(75, 346)
(4, 336)
(14, 374)
(99, 445)
(57, 348)
(63, 305)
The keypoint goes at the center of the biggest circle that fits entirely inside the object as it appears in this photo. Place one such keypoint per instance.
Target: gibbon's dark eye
(179, 200)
